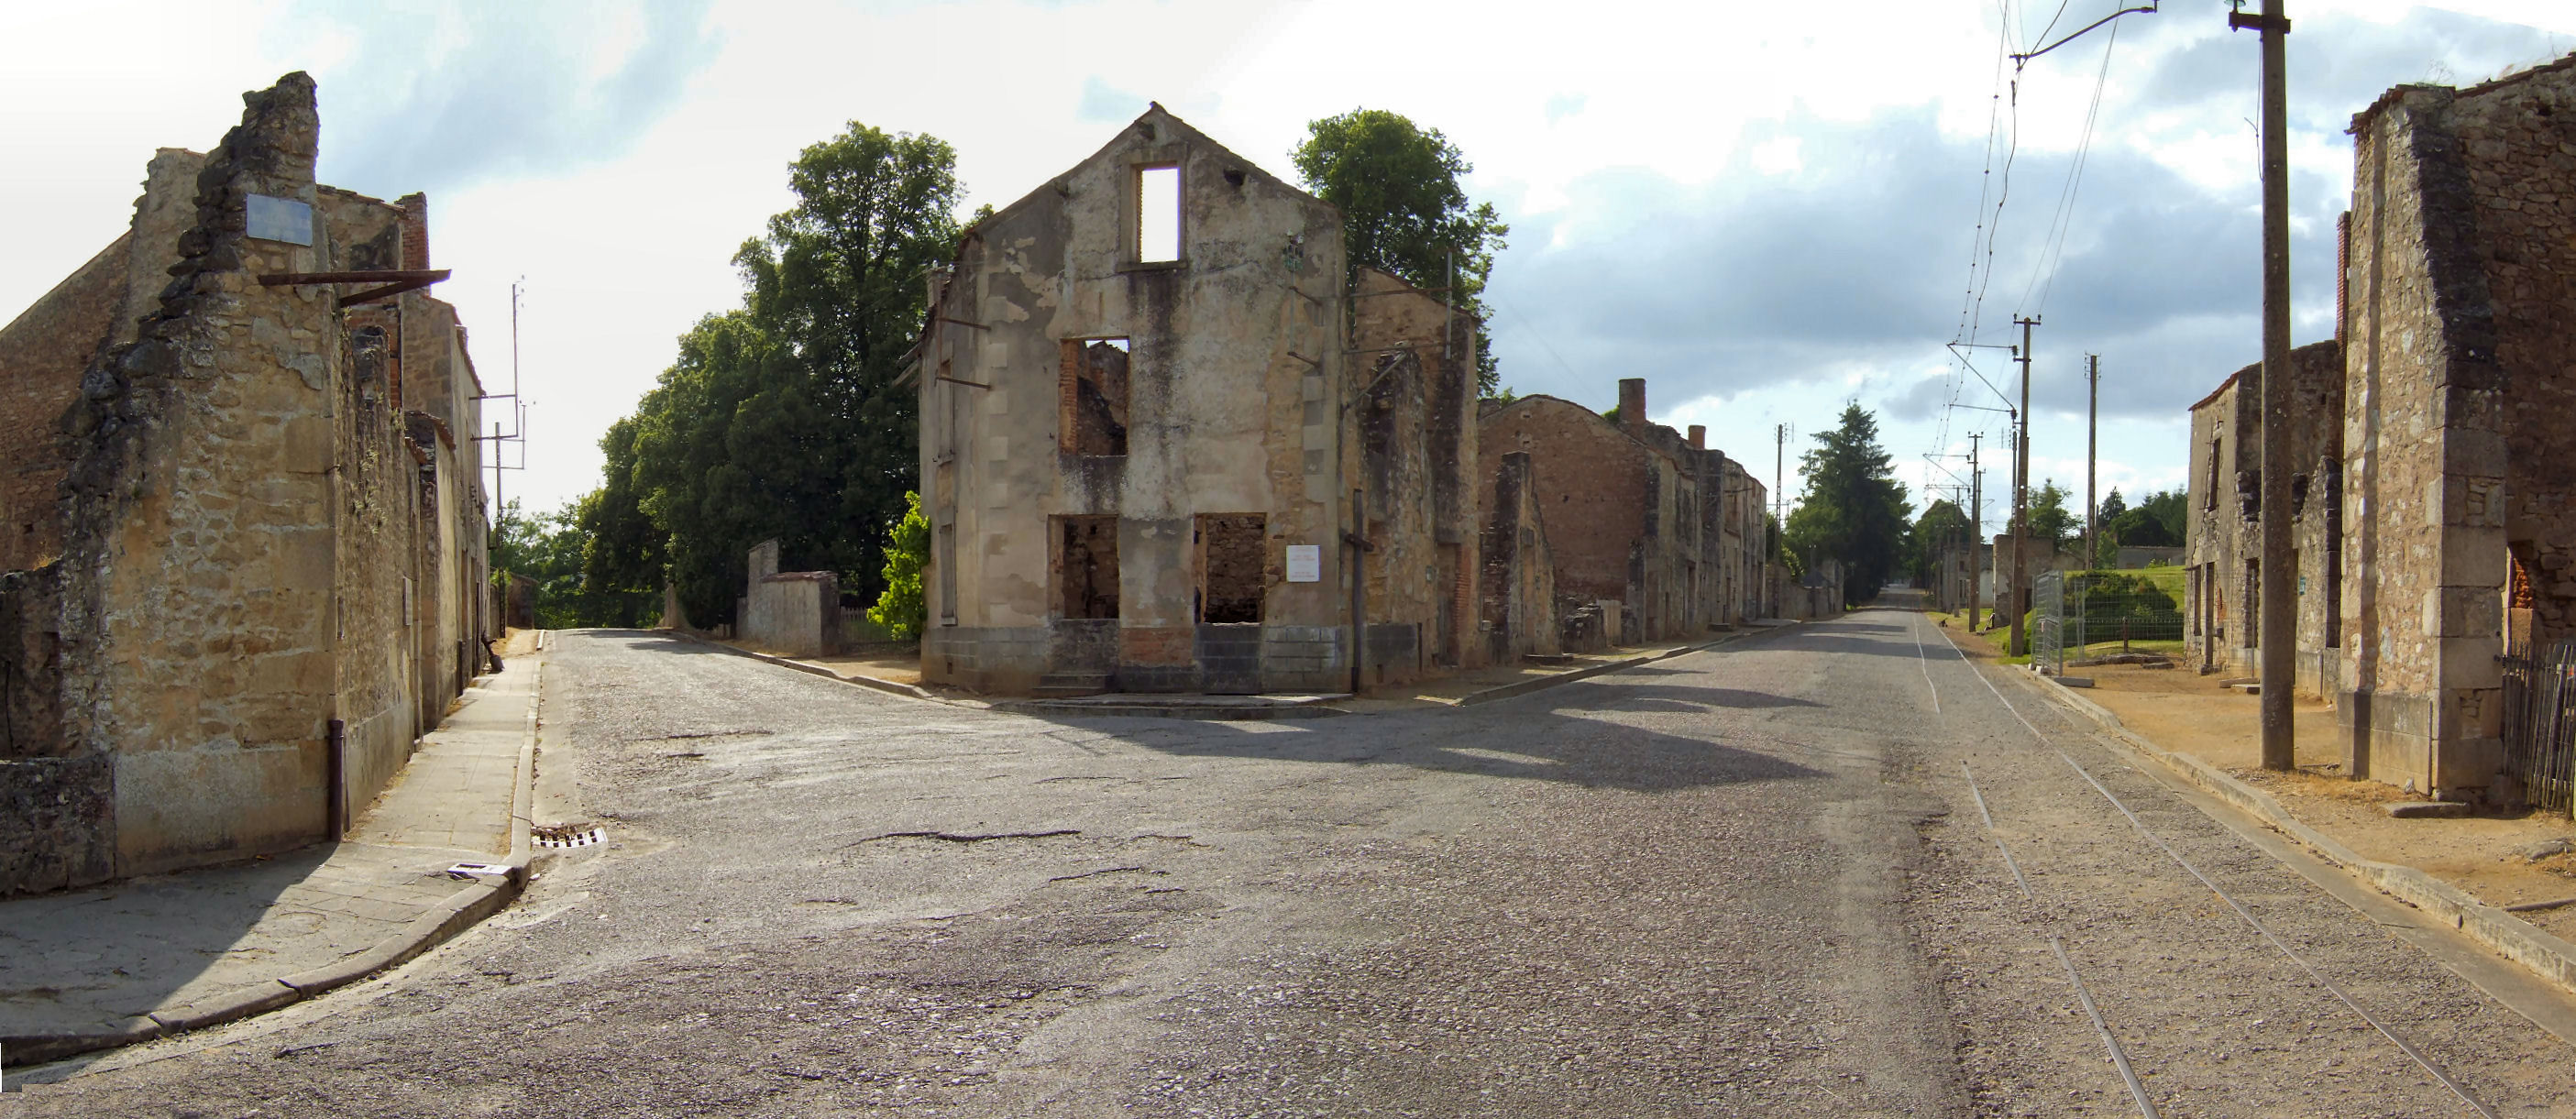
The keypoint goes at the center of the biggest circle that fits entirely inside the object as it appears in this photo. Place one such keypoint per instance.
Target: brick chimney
(415, 231)
(1632, 405)
(1698, 437)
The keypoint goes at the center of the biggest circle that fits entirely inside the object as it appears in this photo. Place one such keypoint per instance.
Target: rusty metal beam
(372, 294)
(369, 276)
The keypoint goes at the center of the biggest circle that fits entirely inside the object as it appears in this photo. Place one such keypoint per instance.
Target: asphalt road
(1751, 881)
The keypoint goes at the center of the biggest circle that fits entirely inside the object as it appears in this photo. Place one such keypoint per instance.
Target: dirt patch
(517, 643)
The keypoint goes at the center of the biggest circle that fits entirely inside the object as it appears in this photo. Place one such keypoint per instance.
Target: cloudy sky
(1765, 211)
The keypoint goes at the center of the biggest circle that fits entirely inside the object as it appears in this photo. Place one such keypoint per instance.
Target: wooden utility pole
(2277, 616)
(2012, 600)
(2092, 433)
(1977, 535)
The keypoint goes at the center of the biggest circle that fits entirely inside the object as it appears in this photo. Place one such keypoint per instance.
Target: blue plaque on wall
(281, 219)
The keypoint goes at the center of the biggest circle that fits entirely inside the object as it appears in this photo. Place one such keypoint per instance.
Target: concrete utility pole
(1780, 474)
(2012, 600)
(2092, 434)
(2277, 619)
(1977, 534)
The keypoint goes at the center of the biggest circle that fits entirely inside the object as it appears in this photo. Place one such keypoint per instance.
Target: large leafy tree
(1853, 509)
(783, 417)
(1403, 211)
(548, 548)
(2050, 519)
(2145, 524)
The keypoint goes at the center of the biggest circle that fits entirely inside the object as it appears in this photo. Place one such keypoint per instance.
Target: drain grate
(566, 835)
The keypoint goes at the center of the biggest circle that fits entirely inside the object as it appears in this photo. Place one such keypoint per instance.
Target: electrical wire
(2053, 247)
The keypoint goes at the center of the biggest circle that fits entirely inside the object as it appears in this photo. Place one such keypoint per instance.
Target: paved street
(1746, 881)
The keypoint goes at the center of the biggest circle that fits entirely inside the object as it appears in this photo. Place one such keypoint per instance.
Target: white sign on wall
(1305, 563)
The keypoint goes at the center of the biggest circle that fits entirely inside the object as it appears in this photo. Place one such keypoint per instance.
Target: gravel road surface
(1750, 881)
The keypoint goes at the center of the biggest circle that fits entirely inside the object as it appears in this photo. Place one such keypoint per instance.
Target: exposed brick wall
(42, 354)
(1588, 478)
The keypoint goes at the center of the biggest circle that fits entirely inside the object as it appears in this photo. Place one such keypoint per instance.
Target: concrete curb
(458, 912)
(889, 687)
(1212, 712)
(2503, 933)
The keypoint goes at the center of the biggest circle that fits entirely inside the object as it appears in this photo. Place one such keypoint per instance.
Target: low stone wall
(57, 823)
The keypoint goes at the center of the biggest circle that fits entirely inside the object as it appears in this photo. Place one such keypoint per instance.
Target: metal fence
(2083, 614)
(2539, 726)
(2048, 623)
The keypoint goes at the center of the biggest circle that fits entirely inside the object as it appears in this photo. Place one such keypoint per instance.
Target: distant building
(2222, 526)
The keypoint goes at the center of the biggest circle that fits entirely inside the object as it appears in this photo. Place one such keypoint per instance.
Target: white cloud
(1765, 212)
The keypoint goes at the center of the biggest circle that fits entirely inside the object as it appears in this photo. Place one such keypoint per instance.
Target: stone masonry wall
(197, 636)
(2424, 519)
(2517, 141)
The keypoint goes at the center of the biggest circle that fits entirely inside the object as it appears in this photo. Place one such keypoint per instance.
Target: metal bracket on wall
(390, 281)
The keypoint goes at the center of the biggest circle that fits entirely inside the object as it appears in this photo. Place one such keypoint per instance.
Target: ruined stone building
(1654, 535)
(1135, 435)
(1415, 360)
(2458, 461)
(244, 541)
(2223, 528)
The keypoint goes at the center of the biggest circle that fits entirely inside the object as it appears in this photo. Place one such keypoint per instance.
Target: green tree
(2050, 519)
(1403, 211)
(549, 549)
(2170, 508)
(901, 608)
(783, 418)
(1853, 509)
(1941, 526)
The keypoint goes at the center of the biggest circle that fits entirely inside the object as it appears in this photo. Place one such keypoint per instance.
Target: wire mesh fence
(2077, 616)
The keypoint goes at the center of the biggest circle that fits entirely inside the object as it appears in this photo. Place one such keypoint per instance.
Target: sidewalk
(140, 958)
(899, 673)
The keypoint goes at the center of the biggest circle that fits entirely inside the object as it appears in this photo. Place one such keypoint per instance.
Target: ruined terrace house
(1653, 536)
(1135, 433)
(2459, 419)
(244, 543)
(2223, 525)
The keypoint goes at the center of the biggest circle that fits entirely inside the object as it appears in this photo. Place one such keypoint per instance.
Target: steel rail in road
(2247, 915)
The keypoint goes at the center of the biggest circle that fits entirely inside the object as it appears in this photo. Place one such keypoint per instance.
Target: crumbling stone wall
(2517, 143)
(791, 613)
(2424, 461)
(1235, 391)
(200, 492)
(1518, 583)
(2223, 528)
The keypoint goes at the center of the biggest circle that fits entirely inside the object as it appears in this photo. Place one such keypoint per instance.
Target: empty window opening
(2210, 499)
(1231, 578)
(1158, 214)
(1094, 390)
(1086, 570)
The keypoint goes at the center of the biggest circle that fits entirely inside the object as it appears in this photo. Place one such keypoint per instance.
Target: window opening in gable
(1231, 562)
(1086, 566)
(1158, 214)
(1093, 390)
